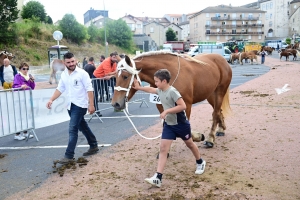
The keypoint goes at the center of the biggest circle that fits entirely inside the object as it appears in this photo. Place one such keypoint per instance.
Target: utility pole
(105, 31)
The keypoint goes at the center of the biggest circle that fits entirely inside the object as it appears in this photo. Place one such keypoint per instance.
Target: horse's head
(124, 80)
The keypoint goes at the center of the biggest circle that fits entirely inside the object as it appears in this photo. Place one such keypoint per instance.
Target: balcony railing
(235, 26)
(235, 18)
(236, 33)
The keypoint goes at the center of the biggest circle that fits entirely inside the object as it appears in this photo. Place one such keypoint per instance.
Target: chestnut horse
(248, 55)
(205, 76)
(234, 57)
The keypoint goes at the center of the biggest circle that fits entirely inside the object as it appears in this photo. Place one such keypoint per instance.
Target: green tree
(171, 35)
(72, 30)
(118, 33)
(49, 20)
(34, 9)
(94, 33)
(288, 40)
(8, 15)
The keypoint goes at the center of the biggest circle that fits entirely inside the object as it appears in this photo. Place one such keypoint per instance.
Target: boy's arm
(180, 107)
(137, 86)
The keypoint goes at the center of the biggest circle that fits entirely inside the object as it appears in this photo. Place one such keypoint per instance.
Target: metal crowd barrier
(103, 93)
(16, 112)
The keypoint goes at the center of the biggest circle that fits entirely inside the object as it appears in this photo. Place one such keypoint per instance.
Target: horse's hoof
(157, 157)
(220, 134)
(209, 144)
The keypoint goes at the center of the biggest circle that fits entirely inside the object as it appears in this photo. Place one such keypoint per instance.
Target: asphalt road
(21, 169)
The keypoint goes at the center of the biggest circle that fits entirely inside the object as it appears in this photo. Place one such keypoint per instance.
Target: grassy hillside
(34, 39)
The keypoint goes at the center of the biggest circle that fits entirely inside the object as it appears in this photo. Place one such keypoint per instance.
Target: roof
(227, 9)
(173, 24)
(161, 20)
(174, 15)
(295, 1)
(183, 23)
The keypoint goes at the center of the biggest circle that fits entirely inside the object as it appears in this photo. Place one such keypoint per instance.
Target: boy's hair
(163, 74)
(113, 54)
(103, 57)
(68, 55)
(91, 59)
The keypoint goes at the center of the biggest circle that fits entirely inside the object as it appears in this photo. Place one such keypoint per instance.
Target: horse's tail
(226, 110)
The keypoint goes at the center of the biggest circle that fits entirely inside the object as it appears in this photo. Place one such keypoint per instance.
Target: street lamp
(57, 35)
(105, 32)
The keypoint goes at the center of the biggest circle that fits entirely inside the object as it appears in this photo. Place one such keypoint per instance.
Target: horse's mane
(184, 56)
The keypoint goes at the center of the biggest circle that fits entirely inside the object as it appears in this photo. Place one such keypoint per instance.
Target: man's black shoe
(98, 113)
(91, 151)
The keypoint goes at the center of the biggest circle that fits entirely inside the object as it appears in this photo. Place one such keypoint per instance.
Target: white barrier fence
(16, 112)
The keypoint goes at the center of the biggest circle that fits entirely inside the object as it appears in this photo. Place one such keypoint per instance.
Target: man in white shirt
(76, 83)
(7, 74)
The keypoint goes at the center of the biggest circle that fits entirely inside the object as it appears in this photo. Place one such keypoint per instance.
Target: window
(258, 22)
(196, 25)
(217, 14)
(267, 6)
(218, 37)
(271, 5)
(250, 16)
(233, 15)
(151, 30)
(270, 24)
(223, 23)
(207, 14)
(267, 16)
(270, 15)
(207, 22)
(138, 26)
(226, 37)
(207, 37)
(249, 37)
(218, 30)
(264, 7)
(259, 37)
(233, 31)
(234, 23)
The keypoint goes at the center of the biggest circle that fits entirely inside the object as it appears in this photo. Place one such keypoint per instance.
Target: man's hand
(91, 109)
(49, 104)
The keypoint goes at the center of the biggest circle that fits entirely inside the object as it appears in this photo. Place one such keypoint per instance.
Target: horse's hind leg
(218, 120)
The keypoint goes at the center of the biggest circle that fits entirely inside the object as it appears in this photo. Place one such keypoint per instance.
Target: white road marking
(51, 147)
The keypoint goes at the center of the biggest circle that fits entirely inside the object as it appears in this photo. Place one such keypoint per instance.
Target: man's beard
(70, 68)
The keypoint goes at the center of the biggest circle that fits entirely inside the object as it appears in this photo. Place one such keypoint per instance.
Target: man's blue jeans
(77, 122)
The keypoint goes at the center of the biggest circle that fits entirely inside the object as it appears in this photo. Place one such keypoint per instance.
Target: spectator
(84, 62)
(102, 58)
(90, 67)
(106, 70)
(7, 74)
(25, 81)
(78, 87)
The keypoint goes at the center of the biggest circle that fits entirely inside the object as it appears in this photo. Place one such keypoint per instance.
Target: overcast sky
(138, 8)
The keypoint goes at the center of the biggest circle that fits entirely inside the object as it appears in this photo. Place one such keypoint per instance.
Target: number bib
(154, 98)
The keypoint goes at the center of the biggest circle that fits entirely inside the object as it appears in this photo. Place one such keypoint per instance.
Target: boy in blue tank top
(176, 123)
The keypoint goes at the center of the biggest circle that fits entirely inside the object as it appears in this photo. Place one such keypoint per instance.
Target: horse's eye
(125, 77)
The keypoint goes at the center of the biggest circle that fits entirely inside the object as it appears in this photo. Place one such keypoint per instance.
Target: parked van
(210, 48)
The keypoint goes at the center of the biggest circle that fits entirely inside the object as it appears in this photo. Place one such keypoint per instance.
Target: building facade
(134, 23)
(294, 18)
(223, 23)
(156, 31)
(92, 14)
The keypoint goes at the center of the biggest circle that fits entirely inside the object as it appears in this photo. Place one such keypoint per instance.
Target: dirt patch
(2, 156)
(256, 159)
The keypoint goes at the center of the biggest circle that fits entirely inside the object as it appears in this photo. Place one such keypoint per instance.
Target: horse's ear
(127, 59)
